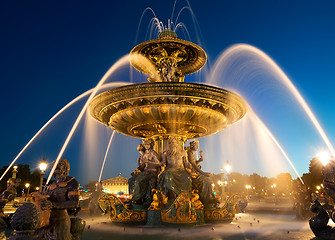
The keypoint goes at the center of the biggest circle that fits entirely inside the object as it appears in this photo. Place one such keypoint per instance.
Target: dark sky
(52, 51)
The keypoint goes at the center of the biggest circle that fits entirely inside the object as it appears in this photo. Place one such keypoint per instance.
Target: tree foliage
(23, 172)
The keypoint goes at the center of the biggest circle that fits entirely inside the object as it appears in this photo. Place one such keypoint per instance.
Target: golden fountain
(167, 106)
(162, 109)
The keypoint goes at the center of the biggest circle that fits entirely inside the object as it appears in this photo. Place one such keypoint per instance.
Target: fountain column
(161, 142)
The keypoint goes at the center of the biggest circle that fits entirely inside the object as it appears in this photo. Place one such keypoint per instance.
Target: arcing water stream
(91, 92)
(108, 85)
(124, 60)
(107, 150)
(238, 50)
(221, 65)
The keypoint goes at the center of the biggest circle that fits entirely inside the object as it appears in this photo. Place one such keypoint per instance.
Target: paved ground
(261, 221)
(244, 226)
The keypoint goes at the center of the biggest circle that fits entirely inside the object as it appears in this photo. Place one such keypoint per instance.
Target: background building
(117, 185)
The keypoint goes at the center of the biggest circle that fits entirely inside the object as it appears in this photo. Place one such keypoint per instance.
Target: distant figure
(242, 203)
(302, 197)
(93, 205)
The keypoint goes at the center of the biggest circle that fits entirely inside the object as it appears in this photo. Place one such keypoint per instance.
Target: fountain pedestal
(154, 218)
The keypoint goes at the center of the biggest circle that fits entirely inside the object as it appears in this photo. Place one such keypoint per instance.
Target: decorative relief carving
(168, 108)
(118, 212)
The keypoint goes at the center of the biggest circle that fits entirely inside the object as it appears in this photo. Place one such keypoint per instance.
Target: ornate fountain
(166, 108)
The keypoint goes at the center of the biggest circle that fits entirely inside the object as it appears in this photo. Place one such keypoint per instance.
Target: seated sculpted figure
(319, 223)
(137, 171)
(146, 179)
(62, 196)
(175, 179)
(200, 180)
(6, 196)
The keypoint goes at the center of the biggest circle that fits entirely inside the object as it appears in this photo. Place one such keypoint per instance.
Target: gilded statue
(201, 180)
(158, 200)
(176, 178)
(137, 171)
(146, 179)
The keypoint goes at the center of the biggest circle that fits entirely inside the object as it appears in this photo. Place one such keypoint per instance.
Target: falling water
(124, 60)
(249, 146)
(107, 150)
(107, 85)
(262, 126)
(238, 50)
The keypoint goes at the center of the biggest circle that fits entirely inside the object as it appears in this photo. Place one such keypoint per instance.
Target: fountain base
(180, 213)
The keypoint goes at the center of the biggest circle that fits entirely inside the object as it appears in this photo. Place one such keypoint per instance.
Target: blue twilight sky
(52, 51)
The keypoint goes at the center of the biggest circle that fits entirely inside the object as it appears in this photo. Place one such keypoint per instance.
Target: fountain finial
(171, 57)
(167, 34)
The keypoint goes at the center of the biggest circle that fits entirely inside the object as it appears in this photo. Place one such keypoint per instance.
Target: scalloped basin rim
(191, 110)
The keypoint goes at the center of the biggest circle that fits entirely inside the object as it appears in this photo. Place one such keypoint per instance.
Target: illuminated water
(101, 85)
(107, 150)
(123, 61)
(265, 63)
(231, 144)
(107, 85)
(256, 77)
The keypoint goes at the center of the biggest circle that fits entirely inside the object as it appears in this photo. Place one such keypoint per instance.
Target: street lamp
(222, 174)
(228, 167)
(28, 188)
(323, 157)
(14, 172)
(247, 187)
(43, 166)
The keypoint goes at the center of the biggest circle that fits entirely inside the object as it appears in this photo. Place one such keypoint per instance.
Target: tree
(284, 183)
(258, 182)
(35, 179)
(3, 183)
(315, 169)
(23, 172)
(314, 177)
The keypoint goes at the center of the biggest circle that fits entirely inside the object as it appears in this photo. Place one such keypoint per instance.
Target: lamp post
(273, 186)
(27, 193)
(247, 187)
(222, 174)
(228, 169)
(221, 180)
(43, 166)
(14, 172)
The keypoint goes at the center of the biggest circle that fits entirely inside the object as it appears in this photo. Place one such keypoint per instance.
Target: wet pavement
(244, 226)
(261, 220)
